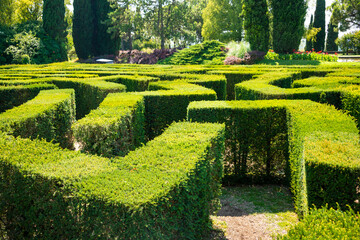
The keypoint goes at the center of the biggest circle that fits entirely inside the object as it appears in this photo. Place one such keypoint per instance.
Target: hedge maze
(139, 152)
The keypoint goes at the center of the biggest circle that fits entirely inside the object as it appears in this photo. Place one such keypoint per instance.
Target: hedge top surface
(142, 177)
(43, 102)
(152, 171)
(50, 161)
(316, 122)
(113, 106)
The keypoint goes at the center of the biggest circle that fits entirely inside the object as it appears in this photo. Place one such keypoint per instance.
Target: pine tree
(256, 24)
(319, 22)
(288, 24)
(83, 28)
(54, 23)
(309, 44)
(332, 35)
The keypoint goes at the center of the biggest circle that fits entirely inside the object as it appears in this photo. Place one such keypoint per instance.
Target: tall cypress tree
(256, 24)
(319, 22)
(83, 28)
(309, 43)
(102, 42)
(54, 23)
(288, 24)
(332, 35)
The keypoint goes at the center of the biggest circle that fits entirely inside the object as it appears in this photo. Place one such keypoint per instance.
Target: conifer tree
(319, 22)
(309, 43)
(83, 28)
(54, 23)
(332, 35)
(102, 42)
(288, 24)
(256, 24)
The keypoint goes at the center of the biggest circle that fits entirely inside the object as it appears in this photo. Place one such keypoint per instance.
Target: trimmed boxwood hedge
(49, 115)
(89, 93)
(319, 144)
(163, 190)
(169, 103)
(12, 96)
(327, 224)
(113, 129)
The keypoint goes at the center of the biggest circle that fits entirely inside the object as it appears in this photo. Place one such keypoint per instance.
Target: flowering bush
(296, 55)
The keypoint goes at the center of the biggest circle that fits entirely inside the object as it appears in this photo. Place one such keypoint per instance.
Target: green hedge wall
(170, 103)
(89, 93)
(12, 96)
(49, 115)
(133, 83)
(113, 129)
(315, 140)
(163, 190)
(326, 224)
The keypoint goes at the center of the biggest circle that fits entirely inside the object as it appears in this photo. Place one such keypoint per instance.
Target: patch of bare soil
(251, 213)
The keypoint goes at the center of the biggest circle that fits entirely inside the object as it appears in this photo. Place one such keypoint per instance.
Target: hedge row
(12, 96)
(316, 145)
(326, 224)
(89, 92)
(164, 190)
(49, 115)
(170, 104)
(114, 128)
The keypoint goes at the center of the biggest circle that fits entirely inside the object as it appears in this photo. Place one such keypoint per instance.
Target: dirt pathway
(255, 212)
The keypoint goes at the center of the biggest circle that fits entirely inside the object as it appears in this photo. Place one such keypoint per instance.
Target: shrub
(114, 128)
(233, 61)
(326, 223)
(198, 54)
(314, 144)
(308, 56)
(237, 49)
(25, 47)
(12, 96)
(163, 190)
(349, 41)
(49, 116)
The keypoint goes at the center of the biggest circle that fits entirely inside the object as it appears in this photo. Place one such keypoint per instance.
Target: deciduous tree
(347, 13)
(222, 20)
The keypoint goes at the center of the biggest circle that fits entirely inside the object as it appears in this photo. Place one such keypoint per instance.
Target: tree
(7, 12)
(288, 24)
(54, 23)
(332, 35)
(102, 42)
(309, 43)
(347, 13)
(222, 20)
(319, 22)
(28, 10)
(83, 29)
(256, 24)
